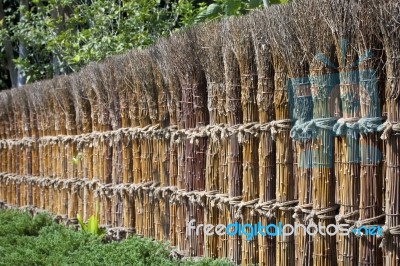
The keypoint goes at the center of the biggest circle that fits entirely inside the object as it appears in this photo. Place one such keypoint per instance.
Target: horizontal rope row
(216, 132)
(214, 198)
(176, 196)
(338, 126)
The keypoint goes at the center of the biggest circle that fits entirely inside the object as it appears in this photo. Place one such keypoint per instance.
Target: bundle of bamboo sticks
(389, 12)
(266, 148)
(341, 19)
(209, 48)
(240, 41)
(234, 153)
(285, 179)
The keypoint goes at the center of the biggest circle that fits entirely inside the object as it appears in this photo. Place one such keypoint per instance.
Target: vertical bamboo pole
(43, 149)
(342, 23)
(60, 130)
(322, 83)
(371, 96)
(3, 147)
(136, 169)
(35, 160)
(86, 163)
(193, 86)
(285, 183)
(124, 84)
(266, 149)
(242, 46)
(149, 91)
(174, 109)
(15, 187)
(105, 149)
(191, 154)
(302, 104)
(5, 105)
(284, 163)
(96, 159)
(209, 41)
(67, 166)
(11, 151)
(93, 86)
(146, 144)
(162, 144)
(142, 152)
(389, 12)
(300, 109)
(54, 125)
(175, 120)
(110, 78)
(234, 153)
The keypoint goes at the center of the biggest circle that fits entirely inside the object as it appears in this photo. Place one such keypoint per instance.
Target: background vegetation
(41, 39)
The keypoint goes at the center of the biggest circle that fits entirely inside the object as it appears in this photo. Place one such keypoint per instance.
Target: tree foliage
(60, 36)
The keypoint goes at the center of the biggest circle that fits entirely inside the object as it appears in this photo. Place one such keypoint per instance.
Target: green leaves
(226, 8)
(278, 1)
(92, 225)
(88, 31)
(39, 241)
(81, 222)
(85, 31)
(213, 11)
(78, 157)
(253, 4)
(233, 7)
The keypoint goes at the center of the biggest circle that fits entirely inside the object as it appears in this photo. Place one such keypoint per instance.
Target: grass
(40, 241)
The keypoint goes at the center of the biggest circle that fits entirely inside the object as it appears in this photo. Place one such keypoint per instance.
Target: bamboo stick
(210, 56)
(388, 24)
(234, 153)
(285, 247)
(241, 44)
(163, 148)
(371, 147)
(349, 173)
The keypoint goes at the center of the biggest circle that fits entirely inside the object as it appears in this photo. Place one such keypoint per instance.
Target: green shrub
(40, 241)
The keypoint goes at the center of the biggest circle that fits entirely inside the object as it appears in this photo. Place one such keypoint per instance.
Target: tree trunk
(8, 49)
(57, 13)
(21, 80)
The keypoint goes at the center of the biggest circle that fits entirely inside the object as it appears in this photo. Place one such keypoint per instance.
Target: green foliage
(77, 158)
(223, 8)
(61, 36)
(278, 1)
(20, 223)
(226, 8)
(92, 225)
(64, 35)
(40, 241)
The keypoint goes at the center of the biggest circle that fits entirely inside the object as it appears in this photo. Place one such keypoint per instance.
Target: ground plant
(40, 241)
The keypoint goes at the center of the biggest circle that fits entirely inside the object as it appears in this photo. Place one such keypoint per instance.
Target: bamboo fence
(288, 115)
